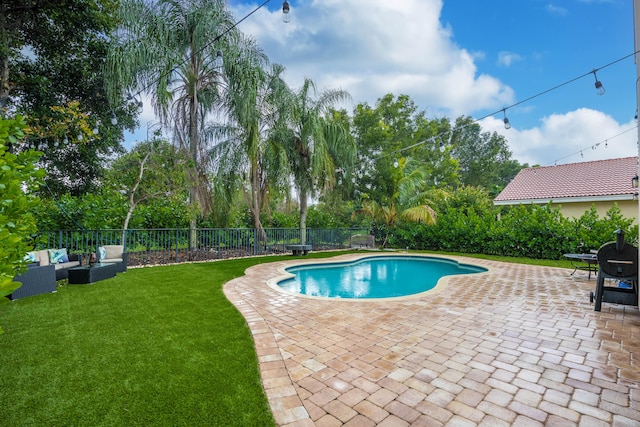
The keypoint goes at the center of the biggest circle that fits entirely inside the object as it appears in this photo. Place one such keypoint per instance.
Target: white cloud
(505, 59)
(576, 136)
(374, 47)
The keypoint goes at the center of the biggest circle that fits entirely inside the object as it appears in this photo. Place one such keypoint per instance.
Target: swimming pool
(373, 277)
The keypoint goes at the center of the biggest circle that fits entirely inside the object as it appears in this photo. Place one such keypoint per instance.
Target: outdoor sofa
(59, 258)
(36, 280)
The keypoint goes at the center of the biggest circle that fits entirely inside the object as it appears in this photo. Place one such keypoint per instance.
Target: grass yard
(154, 346)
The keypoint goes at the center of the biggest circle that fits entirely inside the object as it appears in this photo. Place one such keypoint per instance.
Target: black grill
(619, 261)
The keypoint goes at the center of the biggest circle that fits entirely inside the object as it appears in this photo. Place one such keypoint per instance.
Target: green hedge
(530, 231)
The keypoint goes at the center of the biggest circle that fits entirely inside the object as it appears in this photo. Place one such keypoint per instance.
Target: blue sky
(465, 57)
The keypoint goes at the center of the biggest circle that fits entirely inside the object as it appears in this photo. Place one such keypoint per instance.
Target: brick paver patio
(519, 345)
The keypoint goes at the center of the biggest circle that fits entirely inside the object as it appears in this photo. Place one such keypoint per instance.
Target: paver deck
(520, 345)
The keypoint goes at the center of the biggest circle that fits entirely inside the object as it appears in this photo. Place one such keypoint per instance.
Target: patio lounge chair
(113, 254)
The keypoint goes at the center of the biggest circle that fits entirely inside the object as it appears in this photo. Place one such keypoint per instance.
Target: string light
(286, 17)
(600, 90)
(507, 125)
(503, 110)
(593, 147)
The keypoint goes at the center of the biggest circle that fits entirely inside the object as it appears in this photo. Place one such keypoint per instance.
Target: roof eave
(590, 199)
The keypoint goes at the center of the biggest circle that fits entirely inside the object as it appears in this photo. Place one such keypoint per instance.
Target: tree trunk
(4, 59)
(303, 217)
(255, 200)
(194, 148)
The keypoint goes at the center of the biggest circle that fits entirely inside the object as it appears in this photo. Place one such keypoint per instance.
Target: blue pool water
(373, 277)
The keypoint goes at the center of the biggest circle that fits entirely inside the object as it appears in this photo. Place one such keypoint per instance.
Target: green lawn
(153, 346)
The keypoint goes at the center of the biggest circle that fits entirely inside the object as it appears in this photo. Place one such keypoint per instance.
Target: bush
(18, 179)
(467, 224)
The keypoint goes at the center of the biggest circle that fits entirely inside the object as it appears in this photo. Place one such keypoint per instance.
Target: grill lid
(618, 260)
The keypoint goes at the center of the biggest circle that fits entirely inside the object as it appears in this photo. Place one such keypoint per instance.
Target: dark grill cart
(619, 261)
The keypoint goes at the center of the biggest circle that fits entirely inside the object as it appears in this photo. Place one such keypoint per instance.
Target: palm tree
(315, 144)
(255, 100)
(410, 203)
(169, 49)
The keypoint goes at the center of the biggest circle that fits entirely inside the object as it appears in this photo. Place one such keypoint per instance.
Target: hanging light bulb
(218, 62)
(600, 90)
(95, 129)
(507, 125)
(114, 119)
(65, 140)
(395, 163)
(286, 17)
(80, 137)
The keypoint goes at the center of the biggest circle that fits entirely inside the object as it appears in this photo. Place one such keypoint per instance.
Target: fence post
(177, 256)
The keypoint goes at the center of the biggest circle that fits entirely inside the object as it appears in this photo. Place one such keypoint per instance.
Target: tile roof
(588, 180)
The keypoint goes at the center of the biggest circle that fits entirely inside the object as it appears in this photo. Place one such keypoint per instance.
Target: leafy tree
(51, 55)
(315, 144)
(168, 49)
(19, 178)
(150, 171)
(484, 158)
(389, 133)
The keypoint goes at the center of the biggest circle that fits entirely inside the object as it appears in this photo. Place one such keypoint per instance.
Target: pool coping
(439, 287)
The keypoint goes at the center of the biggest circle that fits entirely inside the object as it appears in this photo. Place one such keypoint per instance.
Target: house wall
(629, 208)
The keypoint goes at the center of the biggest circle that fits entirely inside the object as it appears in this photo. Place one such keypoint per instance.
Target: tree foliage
(315, 143)
(51, 55)
(484, 158)
(19, 178)
(168, 49)
(152, 170)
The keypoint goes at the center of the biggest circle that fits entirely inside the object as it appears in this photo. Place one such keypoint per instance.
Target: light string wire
(593, 146)
(475, 121)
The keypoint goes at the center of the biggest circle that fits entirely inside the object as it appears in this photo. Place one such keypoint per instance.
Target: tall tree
(51, 55)
(247, 154)
(316, 144)
(484, 158)
(169, 49)
(152, 170)
(389, 132)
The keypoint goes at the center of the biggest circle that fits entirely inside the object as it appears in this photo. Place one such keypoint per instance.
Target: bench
(363, 241)
(299, 249)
